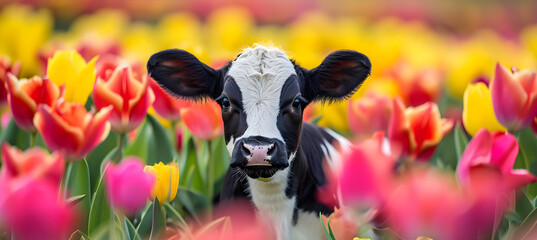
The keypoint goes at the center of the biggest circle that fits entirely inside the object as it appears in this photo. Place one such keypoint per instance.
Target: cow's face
(262, 94)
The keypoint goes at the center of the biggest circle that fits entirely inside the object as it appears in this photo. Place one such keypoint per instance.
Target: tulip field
(443, 132)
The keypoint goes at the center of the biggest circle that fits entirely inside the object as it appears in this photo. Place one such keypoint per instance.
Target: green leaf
(529, 225)
(192, 201)
(191, 173)
(144, 227)
(100, 212)
(152, 144)
(523, 206)
(74, 200)
(160, 147)
(96, 157)
(79, 235)
(133, 235)
(79, 184)
(461, 141)
(15, 136)
(158, 221)
(527, 156)
(326, 233)
(221, 158)
(330, 229)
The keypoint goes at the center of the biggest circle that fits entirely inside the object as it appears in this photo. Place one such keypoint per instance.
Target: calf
(276, 159)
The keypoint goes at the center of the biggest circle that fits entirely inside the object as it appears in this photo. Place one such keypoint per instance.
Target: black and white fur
(263, 95)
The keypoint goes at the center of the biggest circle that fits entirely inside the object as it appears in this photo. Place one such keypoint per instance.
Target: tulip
(70, 69)
(477, 110)
(68, 127)
(514, 97)
(167, 176)
(372, 186)
(415, 132)
(128, 96)
(166, 106)
(32, 211)
(128, 186)
(341, 224)
(5, 68)
(34, 163)
(369, 114)
(106, 65)
(417, 87)
(25, 95)
(204, 120)
(497, 152)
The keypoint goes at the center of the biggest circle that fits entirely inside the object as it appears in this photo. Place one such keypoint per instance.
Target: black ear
(182, 74)
(338, 76)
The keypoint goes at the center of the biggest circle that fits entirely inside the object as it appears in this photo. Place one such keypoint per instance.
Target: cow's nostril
(246, 149)
(271, 150)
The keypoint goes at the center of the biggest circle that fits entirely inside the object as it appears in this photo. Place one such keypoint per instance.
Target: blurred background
(420, 50)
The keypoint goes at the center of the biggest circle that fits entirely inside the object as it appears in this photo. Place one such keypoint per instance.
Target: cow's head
(262, 94)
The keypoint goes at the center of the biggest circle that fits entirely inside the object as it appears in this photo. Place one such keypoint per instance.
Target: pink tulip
(514, 97)
(372, 185)
(496, 152)
(369, 114)
(32, 211)
(128, 186)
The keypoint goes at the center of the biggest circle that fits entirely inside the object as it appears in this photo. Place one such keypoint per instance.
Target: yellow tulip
(167, 176)
(477, 111)
(70, 69)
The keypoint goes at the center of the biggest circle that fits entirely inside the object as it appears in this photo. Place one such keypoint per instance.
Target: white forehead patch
(260, 72)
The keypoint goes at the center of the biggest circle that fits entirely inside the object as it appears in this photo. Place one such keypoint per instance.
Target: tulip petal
(504, 151)
(508, 97)
(81, 88)
(476, 152)
(21, 104)
(56, 133)
(96, 131)
(518, 178)
(477, 111)
(400, 135)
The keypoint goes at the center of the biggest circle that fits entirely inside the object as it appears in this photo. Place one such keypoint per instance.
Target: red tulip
(5, 68)
(68, 127)
(166, 106)
(495, 152)
(204, 120)
(369, 114)
(106, 65)
(26, 94)
(128, 186)
(415, 132)
(514, 97)
(32, 211)
(128, 96)
(417, 87)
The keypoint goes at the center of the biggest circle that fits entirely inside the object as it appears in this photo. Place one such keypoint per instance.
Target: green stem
(210, 177)
(33, 136)
(65, 180)
(174, 135)
(122, 139)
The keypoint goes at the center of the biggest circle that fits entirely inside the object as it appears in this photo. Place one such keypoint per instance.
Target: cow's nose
(258, 154)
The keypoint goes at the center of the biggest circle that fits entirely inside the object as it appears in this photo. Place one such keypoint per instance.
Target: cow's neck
(275, 207)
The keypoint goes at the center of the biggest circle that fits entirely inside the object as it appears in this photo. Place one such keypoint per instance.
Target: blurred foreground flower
(5, 68)
(416, 131)
(477, 111)
(514, 97)
(343, 226)
(165, 105)
(165, 188)
(32, 163)
(497, 153)
(204, 120)
(128, 187)
(70, 69)
(129, 97)
(369, 114)
(25, 95)
(68, 127)
(32, 211)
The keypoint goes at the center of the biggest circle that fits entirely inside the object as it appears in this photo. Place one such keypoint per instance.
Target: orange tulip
(166, 106)
(26, 94)
(369, 115)
(417, 87)
(5, 68)
(129, 97)
(204, 120)
(68, 127)
(415, 132)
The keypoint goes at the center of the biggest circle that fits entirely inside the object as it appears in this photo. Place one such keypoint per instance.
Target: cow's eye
(297, 103)
(225, 103)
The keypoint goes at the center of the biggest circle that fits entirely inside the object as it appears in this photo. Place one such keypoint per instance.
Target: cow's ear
(338, 76)
(182, 74)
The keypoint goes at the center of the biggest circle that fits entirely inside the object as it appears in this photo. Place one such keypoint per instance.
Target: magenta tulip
(128, 186)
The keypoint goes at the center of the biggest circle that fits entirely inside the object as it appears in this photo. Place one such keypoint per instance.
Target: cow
(276, 159)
